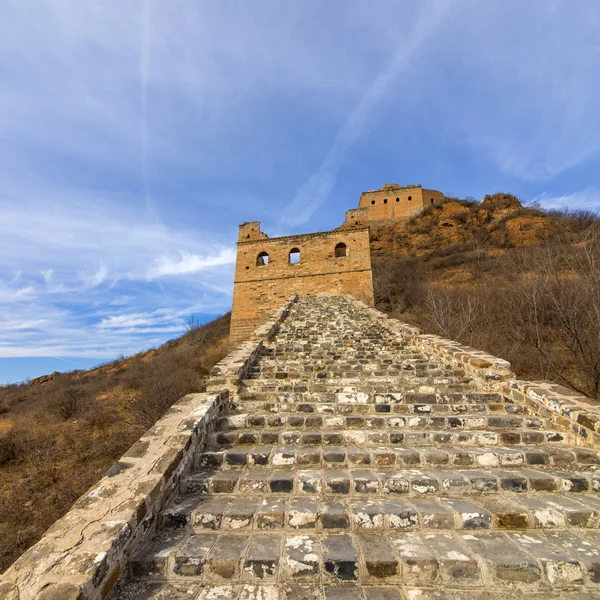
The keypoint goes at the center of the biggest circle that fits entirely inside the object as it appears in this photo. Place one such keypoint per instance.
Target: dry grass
(58, 438)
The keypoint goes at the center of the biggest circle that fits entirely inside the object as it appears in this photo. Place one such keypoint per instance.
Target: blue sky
(135, 136)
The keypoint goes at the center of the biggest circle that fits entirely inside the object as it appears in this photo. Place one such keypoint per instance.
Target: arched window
(397, 199)
(372, 201)
(341, 250)
(294, 256)
(410, 197)
(262, 259)
(385, 200)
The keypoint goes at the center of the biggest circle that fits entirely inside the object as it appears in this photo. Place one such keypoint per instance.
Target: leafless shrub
(192, 324)
(454, 314)
(159, 393)
(7, 447)
(398, 283)
(67, 402)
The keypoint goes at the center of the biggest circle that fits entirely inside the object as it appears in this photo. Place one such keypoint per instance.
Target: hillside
(519, 282)
(61, 432)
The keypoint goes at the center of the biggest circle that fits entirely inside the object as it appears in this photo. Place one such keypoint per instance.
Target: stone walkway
(351, 466)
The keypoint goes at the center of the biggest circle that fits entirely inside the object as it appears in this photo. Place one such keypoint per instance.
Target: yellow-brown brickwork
(396, 202)
(260, 288)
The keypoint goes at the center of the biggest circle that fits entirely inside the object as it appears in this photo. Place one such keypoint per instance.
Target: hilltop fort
(268, 270)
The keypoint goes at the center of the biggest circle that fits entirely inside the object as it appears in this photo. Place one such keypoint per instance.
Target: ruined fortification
(340, 454)
(269, 270)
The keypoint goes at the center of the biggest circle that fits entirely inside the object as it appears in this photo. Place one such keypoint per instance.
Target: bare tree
(555, 309)
(454, 314)
(398, 283)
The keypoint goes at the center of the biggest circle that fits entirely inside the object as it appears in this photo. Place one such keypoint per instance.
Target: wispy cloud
(82, 304)
(522, 100)
(12, 294)
(96, 278)
(588, 199)
(315, 191)
(191, 263)
(145, 33)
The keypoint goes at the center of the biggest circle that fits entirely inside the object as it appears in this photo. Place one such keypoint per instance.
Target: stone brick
(419, 565)
(224, 560)
(339, 557)
(270, 514)
(378, 556)
(302, 513)
(301, 557)
(506, 562)
(333, 515)
(262, 557)
(191, 556)
(455, 560)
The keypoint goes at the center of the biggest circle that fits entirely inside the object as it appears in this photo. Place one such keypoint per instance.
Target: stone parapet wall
(84, 554)
(567, 409)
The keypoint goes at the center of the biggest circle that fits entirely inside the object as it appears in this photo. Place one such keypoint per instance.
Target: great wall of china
(338, 453)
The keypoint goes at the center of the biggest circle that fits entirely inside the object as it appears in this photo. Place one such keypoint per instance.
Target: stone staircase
(351, 465)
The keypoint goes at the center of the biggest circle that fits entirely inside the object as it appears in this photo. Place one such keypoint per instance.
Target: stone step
(258, 407)
(352, 357)
(406, 560)
(405, 438)
(356, 385)
(346, 361)
(494, 511)
(357, 481)
(351, 397)
(378, 421)
(341, 371)
(351, 465)
(296, 590)
(391, 458)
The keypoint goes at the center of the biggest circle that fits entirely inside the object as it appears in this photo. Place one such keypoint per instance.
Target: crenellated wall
(265, 274)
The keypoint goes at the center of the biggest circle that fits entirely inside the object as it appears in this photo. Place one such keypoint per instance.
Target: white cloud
(521, 97)
(191, 263)
(588, 199)
(15, 294)
(134, 138)
(121, 300)
(96, 278)
(127, 247)
(140, 319)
